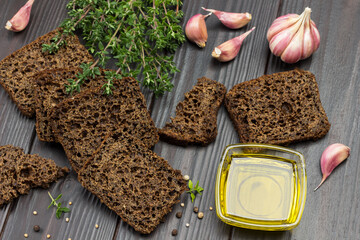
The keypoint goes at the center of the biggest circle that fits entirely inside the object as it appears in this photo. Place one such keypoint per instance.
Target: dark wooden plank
(201, 163)
(331, 212)
(86, 210)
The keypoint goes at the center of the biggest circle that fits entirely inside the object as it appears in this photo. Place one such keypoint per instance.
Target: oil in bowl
(261, 187)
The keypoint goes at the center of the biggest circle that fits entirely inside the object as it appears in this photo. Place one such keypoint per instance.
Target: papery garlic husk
(21, 19)
(196, 30)
(228, 50)
(293, 37)
(231, 20)
(332, 156)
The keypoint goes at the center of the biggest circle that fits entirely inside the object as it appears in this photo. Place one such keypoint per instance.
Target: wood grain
(330, 213)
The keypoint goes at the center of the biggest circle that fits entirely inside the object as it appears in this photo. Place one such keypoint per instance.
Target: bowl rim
(267, 227)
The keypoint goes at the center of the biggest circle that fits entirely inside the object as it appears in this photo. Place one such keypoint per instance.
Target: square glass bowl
(261, 187)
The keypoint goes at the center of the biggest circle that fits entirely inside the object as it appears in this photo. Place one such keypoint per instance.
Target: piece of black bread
(195, 121)
(81, 123)
(133, 181)
(17, 69)
(50, 89)
(19, 172)
(280, 108)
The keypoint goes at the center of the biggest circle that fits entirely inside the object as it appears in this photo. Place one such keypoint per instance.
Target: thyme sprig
(59, 210)
(140, 35)
(194, 190)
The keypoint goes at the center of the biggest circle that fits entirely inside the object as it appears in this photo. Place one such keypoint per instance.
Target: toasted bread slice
(20, 172)
(17, 69)
(195, 121)
(133, 181)
(81, 123)
(280, 108)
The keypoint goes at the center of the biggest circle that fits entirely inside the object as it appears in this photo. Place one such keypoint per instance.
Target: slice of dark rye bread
(19, 172)
(195, 121)
(133, 181)
(280, 108)
(17, 68)
(49, 90)
(81, 123)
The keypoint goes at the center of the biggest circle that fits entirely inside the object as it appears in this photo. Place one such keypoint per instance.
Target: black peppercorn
(178, 214)
(36, 228)
(174, 232)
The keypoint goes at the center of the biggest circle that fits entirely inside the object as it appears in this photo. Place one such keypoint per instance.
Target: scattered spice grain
(174, 232)
(182, 204)
(187, 225)
(200, 215)
(96, 226)
(35, 212)
(70, 203)
(26, 235)
(48, 236)
(67, 219)
(179, 214)
(186, 177)
(196, 209)
(36, 228)
(210, 208)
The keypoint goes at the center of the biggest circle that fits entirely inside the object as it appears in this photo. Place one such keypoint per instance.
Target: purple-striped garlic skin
(196, 31)
(228, 50)
(332, 156)
(230, 19)
(21, 19)
(293, 37)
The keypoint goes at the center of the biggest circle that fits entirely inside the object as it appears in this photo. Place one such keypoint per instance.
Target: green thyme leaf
(194, 190)
(140, 37)
(59, 210)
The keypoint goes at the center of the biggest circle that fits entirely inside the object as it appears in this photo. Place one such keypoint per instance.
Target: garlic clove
(196, 30)
(316, 35)
(281, 24)
(228, 50)
(308, 42)
(332, 156)
(280, 41)
(231, 20)
(21, 19)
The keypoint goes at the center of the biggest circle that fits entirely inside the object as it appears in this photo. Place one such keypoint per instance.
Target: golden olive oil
(259, 189)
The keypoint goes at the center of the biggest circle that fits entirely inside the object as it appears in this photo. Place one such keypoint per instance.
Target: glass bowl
(260, 187)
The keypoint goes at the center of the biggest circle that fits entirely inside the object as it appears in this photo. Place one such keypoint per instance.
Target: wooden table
(330, 213)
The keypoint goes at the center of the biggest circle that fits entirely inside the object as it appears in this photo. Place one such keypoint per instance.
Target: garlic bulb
(293, 37)
(196, 30)
(21, 19)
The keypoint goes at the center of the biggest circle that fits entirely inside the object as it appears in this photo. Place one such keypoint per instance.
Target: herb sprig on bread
(139, 35)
